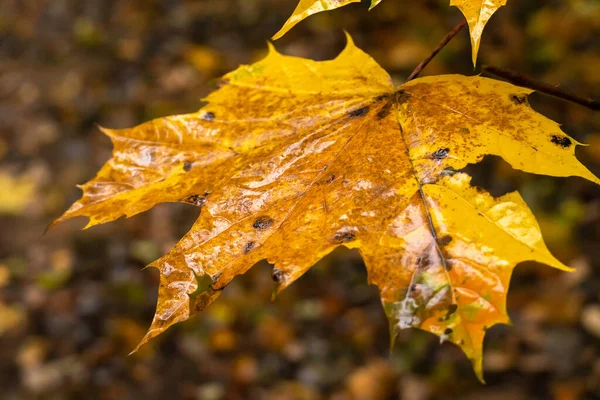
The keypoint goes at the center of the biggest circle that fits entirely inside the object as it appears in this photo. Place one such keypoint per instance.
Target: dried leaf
(292, 158)
(477, 13)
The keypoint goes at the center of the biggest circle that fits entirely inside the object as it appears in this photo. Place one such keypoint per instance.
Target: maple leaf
(292, 158)
(476, 12)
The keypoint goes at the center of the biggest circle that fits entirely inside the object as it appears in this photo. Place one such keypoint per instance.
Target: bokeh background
(74, 303)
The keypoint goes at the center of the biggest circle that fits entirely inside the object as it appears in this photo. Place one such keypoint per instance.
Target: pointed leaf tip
(107, 131)
(271, 49)
(52, 225)
(349, 40)
(479, 371)
(349, 47)
(373, 4)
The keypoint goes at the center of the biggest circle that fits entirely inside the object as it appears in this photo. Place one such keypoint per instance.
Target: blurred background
(74, 303)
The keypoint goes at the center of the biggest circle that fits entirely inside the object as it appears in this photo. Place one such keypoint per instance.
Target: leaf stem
(522, 80)
(439, 47)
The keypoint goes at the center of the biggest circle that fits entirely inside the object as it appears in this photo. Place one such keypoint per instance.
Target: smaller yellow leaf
(307, 8)
(477, 14)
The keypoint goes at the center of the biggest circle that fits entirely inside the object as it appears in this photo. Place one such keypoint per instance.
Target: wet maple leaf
(292, 158)
(476, 12)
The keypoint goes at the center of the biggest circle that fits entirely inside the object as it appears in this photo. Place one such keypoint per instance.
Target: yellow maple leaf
(476, 12)
(292, 158)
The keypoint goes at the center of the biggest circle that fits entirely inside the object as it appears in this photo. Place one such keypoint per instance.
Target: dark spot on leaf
(277, 275)
(448, 331)
(187, 166)
(444, 240)
(534, 148)
(208, 116)
(343, 237)
(385, 110)
(448, 266)
(440, 153)
(262, 223)
(465, 131)
(214, 282)
(413, 288)
(360, 112)
(424, 261)
(232, 149)
(330, 179)
(218, 289)
(451, 310)
(401, 97)
(249, 247)
(449, 171)
(382, 97)
(561, 141)
(216, 277)
(197, 200)
(518, 98)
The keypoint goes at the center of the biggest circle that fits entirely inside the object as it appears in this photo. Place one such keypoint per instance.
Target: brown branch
(522, 80)
(439, 47)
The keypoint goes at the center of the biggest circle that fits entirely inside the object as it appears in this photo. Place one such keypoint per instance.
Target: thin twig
(522, 80)
(439, 47)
